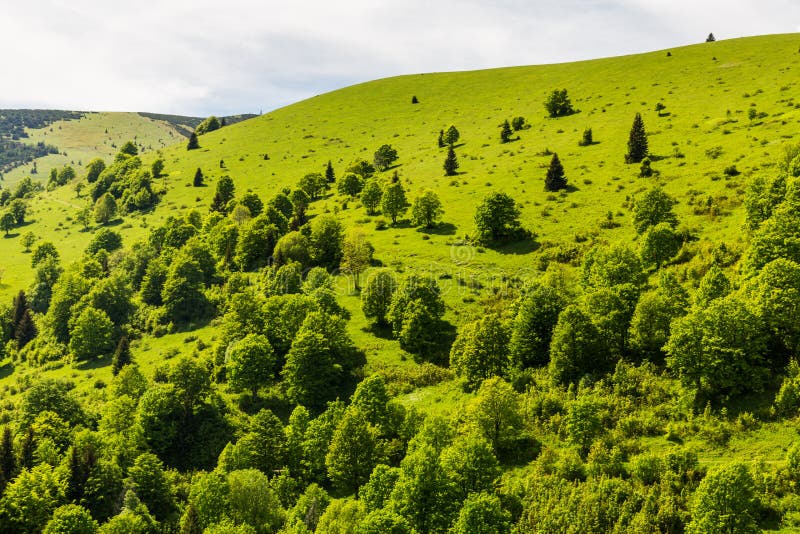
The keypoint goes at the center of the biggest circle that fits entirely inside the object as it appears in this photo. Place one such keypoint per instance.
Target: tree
(577, 348)
(198, 178)
(293, 247)
(71, 519)
(650, 324)
(193, 143)
(451, 136)
(330, 176)
(122, 356)
(440, 141)
(350, 184)
(18, 208)
(532, 329)
(30, 499)
(586, 138)
(651, 208)
(376, 296)
(353, 452)
(713, 285)
(356, 255)
(427, 209)
(470, 464)
(371, 196)
(251, 363)
(725, 501)
(149, 480)
(105, 209)
(482, 512)
(7, 222)
(558, 104)
(710, 38)
(518, 123)
(450, 162)
(555, 179)
(361, 167)
(255, 244)
(106, 240)
(223, 195)
(495, 411)
(718, 350)
(129, 149)
(505, 132)
(481, 351)
(776, 295)
(659, 244)
(609, 266)
(497, 218)
(157, 167)
(93, 169)
(26, 329)
(637, 141)
(414, 287)
(393, 202)
(313, 184)
(91, 334)
(326, 241)
(208, 125)
(182, 294)
(253, 203)
(385, 156)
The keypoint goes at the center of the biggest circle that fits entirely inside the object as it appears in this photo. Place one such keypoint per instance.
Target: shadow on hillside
(439, 229)
(517, 247)
(572, 188)
(95, 363)
(439, 353)
(11, 235)
(392, 167)
(379, 331)
(6, 370)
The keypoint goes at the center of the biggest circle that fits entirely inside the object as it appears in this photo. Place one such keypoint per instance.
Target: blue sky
(220, 57)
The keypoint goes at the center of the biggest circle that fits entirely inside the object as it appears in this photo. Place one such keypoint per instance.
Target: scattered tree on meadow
(7, 222)
(497, 218)
(105, 209)
(193, 143)
(122, 356)
(157, 167)
(393, 202)
(555, 180)
(451, 135)
(350, 184)
(371, 196)
(250, 364)
(481, 351)
(361, 167)
(414, 99)
(223, 195)
(19, 209)
(637, 141)
(651, 208)
(427, 209)
(91, 334)
(518, 123)
(313, 184)
(646, 169)
(330, 176)
(208, 125)
(198, 178)
(376, 296)
(558, 104)
(94, 168)
(440, 141)
(587, 138)
(450, 162)
(385, 156)
(505, 132)
(356, 255)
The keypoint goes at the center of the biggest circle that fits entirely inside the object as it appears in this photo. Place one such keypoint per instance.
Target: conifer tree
(710, 38)
(505, 132)
(26, 329)
(450, 162)
(414, 99)
(330, 177)
(20, 305)
(452, 135)
(555, 179)
(122, 356)
(193, 144)
(441, 138)
(8, 461)
(198, 178)
(637, 141)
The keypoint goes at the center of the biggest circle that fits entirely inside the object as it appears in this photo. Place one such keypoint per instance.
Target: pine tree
(193, 144)
(441, 138)
(26, 329)
(710, 38)
(122, 356)
(330, 177)
(198, 178)
(555, 179)
(414, 99)
(450, 163)
(27, 447)
(505, 132)
(637, 141)
(20, 305)
(8, 462)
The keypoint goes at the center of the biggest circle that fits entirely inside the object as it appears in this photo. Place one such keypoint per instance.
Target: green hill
(718, 116)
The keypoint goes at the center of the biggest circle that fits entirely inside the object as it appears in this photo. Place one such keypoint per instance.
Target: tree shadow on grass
(11, 235)
(94, 363)
(439, 354)
(525, 246)
(439, 229)
(572, 188)
(379, 331)
(6, 370)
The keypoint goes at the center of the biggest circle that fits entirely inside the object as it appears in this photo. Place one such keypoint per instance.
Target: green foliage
(519, 123)
(505, 132)
(451, 135)
(577, 349)
(105, 209)
(555, 180)
(71, 519)
(208, 125)
(393, 201)
(30, 499)
(532, 328)
(376, 295)
(356, 255)
(558, 104)
(652, 208)
(91, 335)
(250, 363)
(608, 266)
(313, 184)
(587, 138)
(659, 244)
(451, 162)
(725, 502)
(713, 285)
(224, 194)
(371, 196)
(353, 452)
(105, 239)
(481, 351)
(326, 241)
(427, 209)
(637, 141)
(495, 412)
(362, 168)
(94, 168)
(415, 309)
(193, 143)
(385, 156)
(497, 219)
(482, 512)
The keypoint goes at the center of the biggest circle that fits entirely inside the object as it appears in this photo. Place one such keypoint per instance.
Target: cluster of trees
(125, 185)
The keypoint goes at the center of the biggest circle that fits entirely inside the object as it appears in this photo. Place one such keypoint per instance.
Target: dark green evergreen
(555, 180)
(637, 141)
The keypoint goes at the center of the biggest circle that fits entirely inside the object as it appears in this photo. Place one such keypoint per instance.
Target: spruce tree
(198, 178)
(414, 99)
(20, 305)
(122, 356)
(505, 132)
(637, 141)
(710, 38)
(330, 177)
(441, 138)
(555, 179)
(26, 329)
(193, 144)
(8, 461)
(451, 162)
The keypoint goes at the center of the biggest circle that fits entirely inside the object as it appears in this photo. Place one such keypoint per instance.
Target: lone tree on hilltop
(555, 179)
(450, 162)
(558, 104)
(193, 144)
(710, 38)
(505, 132)
(637, 141)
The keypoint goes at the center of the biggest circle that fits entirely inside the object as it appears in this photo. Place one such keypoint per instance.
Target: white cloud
(207, 56)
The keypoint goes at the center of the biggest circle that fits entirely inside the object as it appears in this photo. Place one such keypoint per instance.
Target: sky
(222, 57)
